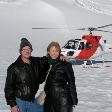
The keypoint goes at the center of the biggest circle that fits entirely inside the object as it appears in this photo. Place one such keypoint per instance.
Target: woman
(60, 86)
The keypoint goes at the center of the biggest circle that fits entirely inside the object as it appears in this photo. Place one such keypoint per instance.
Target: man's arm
(9, 87)
(44, 66)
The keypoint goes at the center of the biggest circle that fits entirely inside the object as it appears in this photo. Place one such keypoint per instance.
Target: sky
(18, 17)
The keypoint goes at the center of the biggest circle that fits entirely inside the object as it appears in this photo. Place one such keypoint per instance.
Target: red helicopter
(88, 47)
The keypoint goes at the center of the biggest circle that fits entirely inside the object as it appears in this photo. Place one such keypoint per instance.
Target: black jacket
(23, 80)
(60, 88)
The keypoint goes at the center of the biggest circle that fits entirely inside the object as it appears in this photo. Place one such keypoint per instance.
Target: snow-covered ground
(100, 6)
(17, 17)
(93, 87)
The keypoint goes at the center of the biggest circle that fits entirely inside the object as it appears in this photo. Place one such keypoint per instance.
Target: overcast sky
(17, 17)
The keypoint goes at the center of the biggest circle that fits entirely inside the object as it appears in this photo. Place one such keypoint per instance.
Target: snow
(93, 88)
(100, 6)
(93, 83)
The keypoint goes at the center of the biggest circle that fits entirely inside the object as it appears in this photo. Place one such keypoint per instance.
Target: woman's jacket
(61, 75)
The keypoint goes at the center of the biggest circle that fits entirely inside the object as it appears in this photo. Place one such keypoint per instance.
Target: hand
(15, 109)
(73, 108)
(63, 58)
(76, 101)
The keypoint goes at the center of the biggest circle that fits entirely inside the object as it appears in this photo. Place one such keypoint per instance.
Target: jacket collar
(20, 61)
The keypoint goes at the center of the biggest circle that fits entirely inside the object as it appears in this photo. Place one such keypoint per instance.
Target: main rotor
(90, 29)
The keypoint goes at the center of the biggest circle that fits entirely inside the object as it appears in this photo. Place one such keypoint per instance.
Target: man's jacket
(23, 80)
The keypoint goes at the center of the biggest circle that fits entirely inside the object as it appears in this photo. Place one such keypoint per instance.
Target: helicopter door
(81, 46)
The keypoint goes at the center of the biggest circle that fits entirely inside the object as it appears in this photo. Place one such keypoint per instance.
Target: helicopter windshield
(74, 45)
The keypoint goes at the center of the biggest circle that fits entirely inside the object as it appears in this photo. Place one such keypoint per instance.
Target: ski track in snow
(99, 6)
(14, 2)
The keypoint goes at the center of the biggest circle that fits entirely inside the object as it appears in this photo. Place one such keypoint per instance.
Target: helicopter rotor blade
(48, 28)
(88, 29)
(94, 28)
(82, 29)
(105, 26)
(103, 31)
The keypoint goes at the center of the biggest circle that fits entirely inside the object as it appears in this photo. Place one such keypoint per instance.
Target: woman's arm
(71, 83)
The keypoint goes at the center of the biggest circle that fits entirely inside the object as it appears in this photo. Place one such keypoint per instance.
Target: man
(23, 80)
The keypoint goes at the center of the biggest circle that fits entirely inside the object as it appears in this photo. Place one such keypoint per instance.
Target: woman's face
(53, 52)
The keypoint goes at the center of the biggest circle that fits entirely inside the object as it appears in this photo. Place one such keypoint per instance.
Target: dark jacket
(23, 80)
(60, 88)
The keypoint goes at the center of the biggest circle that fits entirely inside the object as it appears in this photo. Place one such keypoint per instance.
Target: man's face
(26, 52)
(53, 52)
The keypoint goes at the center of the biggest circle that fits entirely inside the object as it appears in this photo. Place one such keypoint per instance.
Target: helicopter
(88, 46)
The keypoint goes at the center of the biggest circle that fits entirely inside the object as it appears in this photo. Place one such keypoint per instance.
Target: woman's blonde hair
(56, 45)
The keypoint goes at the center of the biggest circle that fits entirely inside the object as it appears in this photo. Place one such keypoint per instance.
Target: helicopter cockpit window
(69, 45)
(89, 46)
(76, 45)
(73, 45)
(81, 46)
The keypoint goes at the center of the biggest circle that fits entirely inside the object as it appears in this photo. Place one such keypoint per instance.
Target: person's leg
(21, 104)
(62, 102)
(33, 107)
(39, 107)
(62, 106)
(47, 105)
